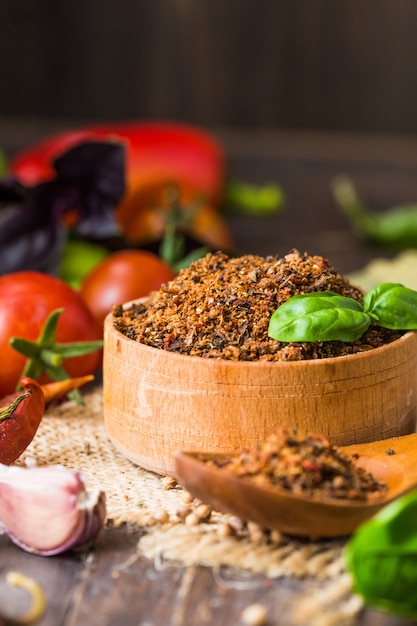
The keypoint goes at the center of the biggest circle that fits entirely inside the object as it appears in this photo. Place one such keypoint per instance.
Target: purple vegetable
(90, 180)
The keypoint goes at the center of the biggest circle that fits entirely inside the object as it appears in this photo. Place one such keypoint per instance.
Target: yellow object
(37, 608)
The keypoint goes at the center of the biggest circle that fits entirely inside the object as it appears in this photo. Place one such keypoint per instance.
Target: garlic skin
(47, 510)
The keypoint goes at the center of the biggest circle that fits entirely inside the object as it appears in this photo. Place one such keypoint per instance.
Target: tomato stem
(46, 355)
(51, 358)
(172, 248)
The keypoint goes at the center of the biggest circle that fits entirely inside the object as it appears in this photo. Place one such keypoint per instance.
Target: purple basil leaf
(29, 239)
(91, 177)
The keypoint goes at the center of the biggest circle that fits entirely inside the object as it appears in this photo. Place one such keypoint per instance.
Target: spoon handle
(404, 444)
(395, 455)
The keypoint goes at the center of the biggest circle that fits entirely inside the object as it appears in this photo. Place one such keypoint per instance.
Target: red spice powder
(219, 307)
(304, 464)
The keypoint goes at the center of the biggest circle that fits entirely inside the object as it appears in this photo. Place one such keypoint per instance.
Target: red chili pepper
(21, 413)
(158, 154)
(20, 416)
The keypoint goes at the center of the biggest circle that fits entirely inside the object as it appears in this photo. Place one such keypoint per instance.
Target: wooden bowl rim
(336, 360)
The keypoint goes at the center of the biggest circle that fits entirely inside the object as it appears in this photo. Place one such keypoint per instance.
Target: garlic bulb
(47, 510)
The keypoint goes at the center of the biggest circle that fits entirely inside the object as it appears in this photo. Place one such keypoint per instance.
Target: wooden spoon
(392, 461)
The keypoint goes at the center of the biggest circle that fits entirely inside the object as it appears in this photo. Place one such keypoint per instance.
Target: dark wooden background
(345, 65)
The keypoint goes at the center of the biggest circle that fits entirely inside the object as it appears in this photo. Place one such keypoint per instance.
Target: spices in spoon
(304, 464)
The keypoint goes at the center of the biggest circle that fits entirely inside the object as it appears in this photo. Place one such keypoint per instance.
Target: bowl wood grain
(157, 402)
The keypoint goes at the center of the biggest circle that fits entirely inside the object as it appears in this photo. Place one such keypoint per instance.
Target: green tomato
(78, 258)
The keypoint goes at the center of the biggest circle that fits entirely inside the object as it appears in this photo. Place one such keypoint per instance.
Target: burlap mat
(75, 437)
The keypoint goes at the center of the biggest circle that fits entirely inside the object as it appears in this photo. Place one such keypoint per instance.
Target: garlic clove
(47, 510)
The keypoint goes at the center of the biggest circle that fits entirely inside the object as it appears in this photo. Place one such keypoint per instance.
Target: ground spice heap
(219, 307)
(304, 464)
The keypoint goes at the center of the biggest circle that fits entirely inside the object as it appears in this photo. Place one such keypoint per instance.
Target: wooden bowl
(158, 402)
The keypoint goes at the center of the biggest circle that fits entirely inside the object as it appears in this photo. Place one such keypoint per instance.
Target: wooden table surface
(82, 589)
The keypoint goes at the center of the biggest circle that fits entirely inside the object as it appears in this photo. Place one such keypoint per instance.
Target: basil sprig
(327, 316)
(381, 557)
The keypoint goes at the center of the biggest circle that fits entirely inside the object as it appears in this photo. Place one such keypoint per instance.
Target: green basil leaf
(251, 199)
(381, 557)
(318, 316)
(396, 227)
(393, 306)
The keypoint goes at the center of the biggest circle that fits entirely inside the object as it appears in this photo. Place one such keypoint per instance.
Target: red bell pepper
(159, 154)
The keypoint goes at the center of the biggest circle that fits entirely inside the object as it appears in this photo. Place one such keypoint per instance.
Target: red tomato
(26, 300)
(123, 276)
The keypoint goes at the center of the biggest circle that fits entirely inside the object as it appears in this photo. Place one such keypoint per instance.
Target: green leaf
(253, 199)
(318, 316)
(396, 227)
(59, 373)
(392, 305)
(67, 350)
(189, 258)
(349, 202)
(33, 368)
(47, 336)
(45, 355)
(381, 557)
(28, 348)
(172, 245)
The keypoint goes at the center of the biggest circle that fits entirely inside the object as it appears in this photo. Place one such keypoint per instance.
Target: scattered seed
(256, 533)
(237, 524)
(192, 520)
(183, 512)
(254, 615)
(148, 520)
(168, 482)
(187, 498)
(161, 516)
(275, 537)
(203, 511)
(225, 530)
